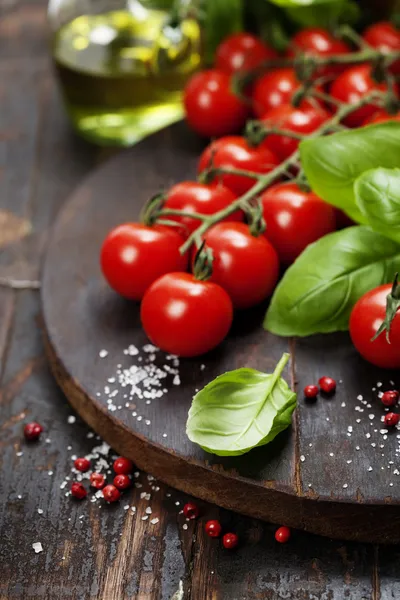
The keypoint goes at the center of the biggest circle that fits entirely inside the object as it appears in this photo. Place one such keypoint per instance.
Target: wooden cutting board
(333, 473)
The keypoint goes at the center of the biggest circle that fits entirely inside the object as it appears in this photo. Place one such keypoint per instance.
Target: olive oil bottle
(122, 71)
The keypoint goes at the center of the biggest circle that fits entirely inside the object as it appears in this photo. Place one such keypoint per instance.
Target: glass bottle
(122, 64)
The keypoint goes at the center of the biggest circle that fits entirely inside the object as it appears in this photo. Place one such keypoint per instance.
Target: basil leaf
(219, 19)
(327, 15)
(378, 197)
(332, 163)
(319, 290)
(240, 410)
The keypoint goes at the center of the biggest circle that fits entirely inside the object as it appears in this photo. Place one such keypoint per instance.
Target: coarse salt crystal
(344, 486)
(302, 458)
(103, 353)
(71, 419)
(37, 546)
(148, 510)
(184, 526)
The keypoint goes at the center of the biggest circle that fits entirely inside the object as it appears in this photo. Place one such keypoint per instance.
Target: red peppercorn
(390, 398)
(213, 528)
(78, 491)
(123, 466)
(122, 482)
(111, 494)
(191, 510)
(97, 480)
(327, 385)
(282, 535)
(82, 464)
(311, 391)
(230, 541)
(391, 419)
(32, 431)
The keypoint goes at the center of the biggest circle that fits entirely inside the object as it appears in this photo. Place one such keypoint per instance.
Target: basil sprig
(240, 410)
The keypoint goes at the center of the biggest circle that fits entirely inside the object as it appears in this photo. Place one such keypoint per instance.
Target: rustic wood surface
(108, 554)
(335, 473)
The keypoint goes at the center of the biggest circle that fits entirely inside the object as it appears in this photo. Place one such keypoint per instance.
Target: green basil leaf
(319, 290)
(378, 197)
(332, 163)
(240, 410)
(328, 15)
(219, 19)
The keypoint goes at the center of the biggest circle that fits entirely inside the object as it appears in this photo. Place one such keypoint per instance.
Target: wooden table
(92, 551)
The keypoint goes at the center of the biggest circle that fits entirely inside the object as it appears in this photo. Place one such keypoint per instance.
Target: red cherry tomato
(381, 116)
(318, 42)
(185, 316)
(365, 320)
(247, 267)
(295, 219)
(235, 152)
(212, 109)
(343, 220)
(242, 52)
(202, 198)
(351, 86)
(274, 89)
(384, 37)
(134, 255)
(299, 120)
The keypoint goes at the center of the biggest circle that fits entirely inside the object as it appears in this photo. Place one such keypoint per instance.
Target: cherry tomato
(242, 52)
(212, 109)
(185, 316)
(318, 42)
(384, 37)
(381, 116)
(299, 120)
(350, 86)
(365, 320)
(247, 267)
(343, 220)
(134, 255)
(276, 88)
(295, 218)
(235, 152)
(202, 198)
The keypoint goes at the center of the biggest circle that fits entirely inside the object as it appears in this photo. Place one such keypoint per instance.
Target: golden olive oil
(122, 74)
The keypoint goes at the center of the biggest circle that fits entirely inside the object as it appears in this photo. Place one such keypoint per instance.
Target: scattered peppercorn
(123, 466)
(78, 491)
(213, 528)
(97, 480)
(32, 431)
(390, 398)
(282, 535)
(327, 385)
(122, 482)
(82, 464)
(230, 541)
(191, 510)
(391, 419)
(311, 392)
(111, 494)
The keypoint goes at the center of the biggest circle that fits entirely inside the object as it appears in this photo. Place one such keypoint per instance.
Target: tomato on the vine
(367, 316)
(185, 316)
(298, 120)
(201, 198)
(381, 116)
(133, 256)
(247, 267)
(318, 42)
(242, 52)
(276, 88)
(236, 152)
(212, 109)
(295, 219)
(384, 37)
(351, 86)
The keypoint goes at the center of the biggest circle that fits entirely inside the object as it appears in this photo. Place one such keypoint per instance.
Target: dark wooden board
(312, 477)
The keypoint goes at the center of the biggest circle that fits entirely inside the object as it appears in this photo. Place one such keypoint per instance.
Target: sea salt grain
(71, 419)
(37, 546)
(154, 521)
(103, 353)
